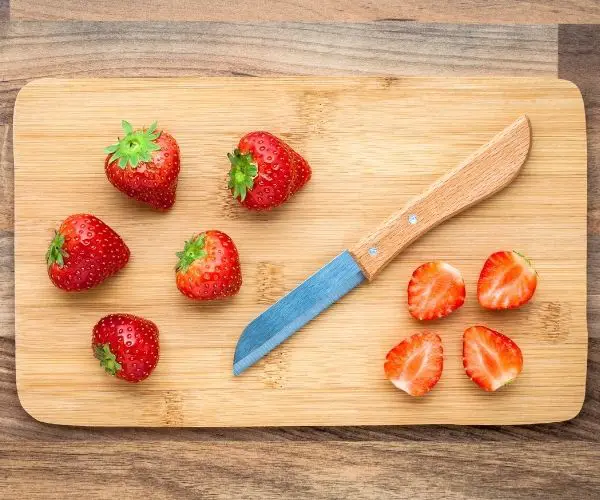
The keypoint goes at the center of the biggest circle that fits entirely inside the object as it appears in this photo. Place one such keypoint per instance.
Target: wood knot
(270, 286)
(173, 409)
(273, 368)
(388, 82)
(551, 320)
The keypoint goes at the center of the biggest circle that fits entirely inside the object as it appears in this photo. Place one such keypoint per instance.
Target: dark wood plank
(302, 470)
(6, 179)
(479, 11)
(34, 50)
(4, 10)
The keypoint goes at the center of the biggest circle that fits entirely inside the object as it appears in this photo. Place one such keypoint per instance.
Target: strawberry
(265, 171)
(507, 281)
(84, 252)
(126, 345)
(490, 358)
(144, 165)
(303, 172)
(209, 267)
(415, 365)
(435, 290)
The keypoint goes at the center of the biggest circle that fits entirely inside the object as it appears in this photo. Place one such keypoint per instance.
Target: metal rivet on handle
(372, 251)
(412, 219)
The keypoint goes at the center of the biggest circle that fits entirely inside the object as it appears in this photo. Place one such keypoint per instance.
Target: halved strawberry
(490, 358)
(415, 364)
(435, 290)
(507, 280)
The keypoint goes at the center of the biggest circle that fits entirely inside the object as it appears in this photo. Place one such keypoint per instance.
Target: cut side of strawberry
(435, 290)
(507, 281)
(490, 358)
(415, 365)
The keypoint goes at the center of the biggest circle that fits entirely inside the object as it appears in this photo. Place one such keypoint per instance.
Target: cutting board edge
(570, 415)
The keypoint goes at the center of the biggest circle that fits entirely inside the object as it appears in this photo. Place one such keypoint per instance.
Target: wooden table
(543, 461)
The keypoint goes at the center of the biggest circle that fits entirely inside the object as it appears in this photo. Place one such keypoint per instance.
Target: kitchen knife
(485, 172)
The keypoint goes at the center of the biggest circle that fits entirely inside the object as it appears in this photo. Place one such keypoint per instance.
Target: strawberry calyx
(242, 174)
(56, 253)
(136, 146)
(108, 360)
(192, 250)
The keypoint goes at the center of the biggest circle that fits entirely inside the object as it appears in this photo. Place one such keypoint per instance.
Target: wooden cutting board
(373, 143)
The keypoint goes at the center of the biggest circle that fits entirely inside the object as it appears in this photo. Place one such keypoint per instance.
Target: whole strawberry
(209, 267)
(145, 165)
(265, 171)
(84, 252)
(126, 345)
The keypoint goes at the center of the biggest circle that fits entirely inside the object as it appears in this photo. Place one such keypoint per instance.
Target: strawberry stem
(108, 360)
(136, 146)
(192, 250)
(242, 174)
(56, 253)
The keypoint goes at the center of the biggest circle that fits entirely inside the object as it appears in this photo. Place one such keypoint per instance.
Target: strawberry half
(435, 290)
(209, 267)
(265, 171)
(145, 165)
(84, 252)
(490, 358)
(126, 346)
(415, 365)
(507, 281)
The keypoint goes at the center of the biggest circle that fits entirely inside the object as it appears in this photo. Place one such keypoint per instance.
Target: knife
(488, 170)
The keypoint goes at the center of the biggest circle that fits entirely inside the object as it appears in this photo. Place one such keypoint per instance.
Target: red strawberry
(144, 165)
(303, 172)
(84, 252)
(507, 281)
(209, 267)
(126, 345)
(435, 290)
(490, 358)
(415, 365)
(265, 171)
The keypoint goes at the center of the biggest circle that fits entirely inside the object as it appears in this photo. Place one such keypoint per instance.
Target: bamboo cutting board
(373, 144)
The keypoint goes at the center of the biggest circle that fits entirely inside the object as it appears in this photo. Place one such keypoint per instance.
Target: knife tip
(237, 369)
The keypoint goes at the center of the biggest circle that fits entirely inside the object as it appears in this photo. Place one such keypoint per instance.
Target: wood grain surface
(370, 470)
(465, 11)
(539, 461)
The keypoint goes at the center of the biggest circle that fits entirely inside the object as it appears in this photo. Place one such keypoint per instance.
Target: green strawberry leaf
(242, 174)
(127, 127)
(56, 253)
(136, 146)
(108, 360)
(193, 250)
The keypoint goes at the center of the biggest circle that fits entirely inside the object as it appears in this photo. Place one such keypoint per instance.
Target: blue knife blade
(295, 309)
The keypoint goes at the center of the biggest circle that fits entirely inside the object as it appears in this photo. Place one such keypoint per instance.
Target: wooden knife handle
(485, 172)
